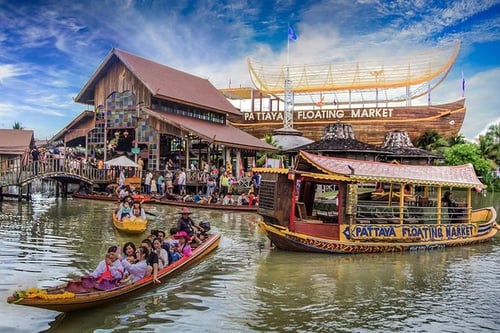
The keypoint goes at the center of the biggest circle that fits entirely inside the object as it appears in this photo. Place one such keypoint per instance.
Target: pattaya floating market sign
(327, 114)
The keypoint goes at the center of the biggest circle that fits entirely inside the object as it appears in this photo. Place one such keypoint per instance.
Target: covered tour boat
(296, 217)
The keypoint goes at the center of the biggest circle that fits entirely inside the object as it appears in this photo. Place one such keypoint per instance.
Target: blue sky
(49, 49)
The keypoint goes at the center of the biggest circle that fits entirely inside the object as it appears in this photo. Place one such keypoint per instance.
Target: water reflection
(244, 286)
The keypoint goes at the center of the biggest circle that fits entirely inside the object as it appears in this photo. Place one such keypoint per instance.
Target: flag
(463, 85)
(291, 34)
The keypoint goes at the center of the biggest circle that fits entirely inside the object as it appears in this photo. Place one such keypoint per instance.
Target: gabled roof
(79, 126)
(162, 82)
(212, 132)
(15, 141)
(458, 176)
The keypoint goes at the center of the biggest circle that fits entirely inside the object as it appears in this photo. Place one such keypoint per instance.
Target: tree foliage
(17, 125)
(261, 156)
(468, 153)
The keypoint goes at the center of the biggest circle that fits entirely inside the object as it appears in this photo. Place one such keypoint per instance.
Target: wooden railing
(13, 173)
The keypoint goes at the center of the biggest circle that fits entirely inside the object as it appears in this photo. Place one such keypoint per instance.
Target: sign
(136, 150)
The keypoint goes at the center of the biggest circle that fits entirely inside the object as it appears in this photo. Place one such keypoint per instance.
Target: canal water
(245, 286)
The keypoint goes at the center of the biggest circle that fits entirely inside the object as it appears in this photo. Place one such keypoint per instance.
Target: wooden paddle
(149, 213)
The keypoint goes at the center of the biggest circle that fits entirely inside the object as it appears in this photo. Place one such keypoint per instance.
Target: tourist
(110, 267)
(147, 182)
(138, 211)
(181, 182)
(138, 269)
(160, 252)
(199, 198)
(211, 186)
(242, 199)
(184, 248)
(228, 200)
(151, 259)
(125, 211)
(129, 252)
(224, 184)
(252, 199)
(160, 184)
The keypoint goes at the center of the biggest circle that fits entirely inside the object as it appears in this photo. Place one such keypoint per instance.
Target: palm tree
(432, 141)
(261, 156)
(17, 125)
(456, 139)
(491, 142)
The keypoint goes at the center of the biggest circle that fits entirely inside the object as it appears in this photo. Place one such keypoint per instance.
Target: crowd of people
(134, 262)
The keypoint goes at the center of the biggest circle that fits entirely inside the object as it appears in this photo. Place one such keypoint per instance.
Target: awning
(212, 132)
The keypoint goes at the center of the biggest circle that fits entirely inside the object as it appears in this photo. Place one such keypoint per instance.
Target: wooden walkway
(69, 171)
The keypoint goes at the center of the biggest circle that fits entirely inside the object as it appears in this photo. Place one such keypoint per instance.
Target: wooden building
(150, 111)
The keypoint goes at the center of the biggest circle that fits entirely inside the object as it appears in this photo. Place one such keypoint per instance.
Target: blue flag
(291, 34)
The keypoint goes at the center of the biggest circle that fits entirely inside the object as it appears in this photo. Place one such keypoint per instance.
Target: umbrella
(121, 161)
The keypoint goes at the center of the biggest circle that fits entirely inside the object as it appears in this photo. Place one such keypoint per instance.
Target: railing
(380, 213)
(12, 173)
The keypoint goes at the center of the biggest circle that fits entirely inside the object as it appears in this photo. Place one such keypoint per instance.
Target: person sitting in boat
(184, 247)
(110, 267)
(228, 199)
(152, 260)
(172, 244)
(138, 211)
(124, 212)
(185, 223)
(199, 198)
(129, 252)
(138, 269)
(214, 198)
(252, 199)
(163, 257)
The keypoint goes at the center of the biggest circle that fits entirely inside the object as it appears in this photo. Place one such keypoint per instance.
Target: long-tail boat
(296, 217)
(60, 299)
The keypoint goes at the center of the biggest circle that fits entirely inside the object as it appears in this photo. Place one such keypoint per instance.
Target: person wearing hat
(186, 224)
(183, 248)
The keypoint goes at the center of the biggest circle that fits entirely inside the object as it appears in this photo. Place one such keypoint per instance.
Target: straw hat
(185, 210)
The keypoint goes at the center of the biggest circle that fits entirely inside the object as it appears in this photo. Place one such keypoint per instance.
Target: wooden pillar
(19, 193)
(58, 188)
(1, 193)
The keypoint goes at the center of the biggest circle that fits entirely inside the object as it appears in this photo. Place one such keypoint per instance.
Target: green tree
(492, 142)
(468, 153)
(432, 141)
(17, 125)
(456, 139)
(261, 156)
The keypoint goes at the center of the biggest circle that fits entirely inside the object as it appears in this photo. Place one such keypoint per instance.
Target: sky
(50, 49)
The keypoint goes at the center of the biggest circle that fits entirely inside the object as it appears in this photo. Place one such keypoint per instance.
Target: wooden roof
(15, 141)
(212, 132)
(356, 170)
(163, 82)
(78, 127)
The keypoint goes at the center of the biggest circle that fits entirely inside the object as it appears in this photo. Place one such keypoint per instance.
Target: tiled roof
(459, 176)
(15, 142)
(165, 83)
(212, 132)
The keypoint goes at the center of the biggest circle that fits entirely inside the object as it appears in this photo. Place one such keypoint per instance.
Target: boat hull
(131, 226)
(283, 239)
(242, 208)
(370, 124)
(100, 298)
(101, 197)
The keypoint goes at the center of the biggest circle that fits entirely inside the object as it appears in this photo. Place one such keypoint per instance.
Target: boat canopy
(333, 168)
(354, 76)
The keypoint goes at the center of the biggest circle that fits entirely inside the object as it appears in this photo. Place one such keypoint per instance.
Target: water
(245, 286)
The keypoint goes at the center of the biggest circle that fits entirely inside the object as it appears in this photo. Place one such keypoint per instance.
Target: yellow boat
(135, 225)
